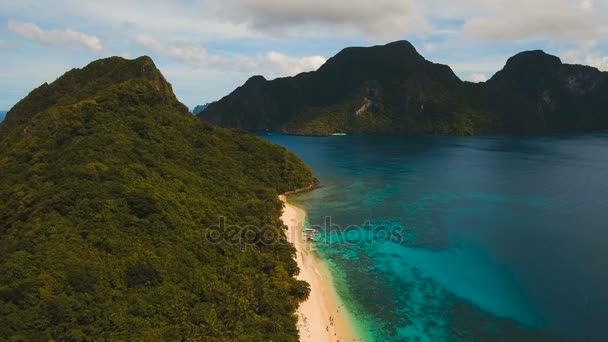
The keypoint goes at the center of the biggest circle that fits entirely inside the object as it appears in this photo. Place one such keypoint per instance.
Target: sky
(207, 48)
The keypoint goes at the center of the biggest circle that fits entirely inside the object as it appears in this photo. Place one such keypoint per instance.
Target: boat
(310, 234)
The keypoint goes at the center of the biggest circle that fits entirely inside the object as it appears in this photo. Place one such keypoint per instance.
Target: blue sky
(206, 48)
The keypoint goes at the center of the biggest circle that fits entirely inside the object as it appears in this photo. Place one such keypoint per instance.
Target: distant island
(393, 89)
(2, 115)
(200, 108)
(120, 213)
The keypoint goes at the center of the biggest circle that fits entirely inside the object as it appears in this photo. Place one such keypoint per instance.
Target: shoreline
(322, 317)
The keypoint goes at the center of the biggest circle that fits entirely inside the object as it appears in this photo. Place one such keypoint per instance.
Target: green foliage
(109, 188)
(392, 89)
(141, 275)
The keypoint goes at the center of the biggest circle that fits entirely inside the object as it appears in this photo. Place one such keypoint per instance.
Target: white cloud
(586, 56)
(600, 62)
(55, 38)
(192, 54)
(292, 66)
(586, 5)
(376, 19)
(200, 18)
(477, 78)
(283, 37)
(557, 20)
(272, 64)
(236, 19)
(572, 20)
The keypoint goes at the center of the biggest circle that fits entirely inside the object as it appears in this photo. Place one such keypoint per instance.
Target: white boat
(310, 233)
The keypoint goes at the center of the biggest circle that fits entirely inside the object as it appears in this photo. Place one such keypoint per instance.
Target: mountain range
(122, 215)
(393, 89)
(200, 108)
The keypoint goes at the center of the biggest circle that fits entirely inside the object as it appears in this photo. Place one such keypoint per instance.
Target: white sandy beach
(322, 317)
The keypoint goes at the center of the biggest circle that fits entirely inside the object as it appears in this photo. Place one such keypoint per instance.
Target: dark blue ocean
(464, 238)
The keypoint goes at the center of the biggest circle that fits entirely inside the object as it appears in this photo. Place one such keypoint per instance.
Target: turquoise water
(464, 239)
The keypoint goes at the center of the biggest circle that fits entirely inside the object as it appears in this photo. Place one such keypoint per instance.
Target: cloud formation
(291, 66)
(477, 78)
(587, 56)
(558, 20)
(218, 44)
(600, 62)
(375, 19)
(379, 20)
(192, 54)
(55, 38)
(273, 63)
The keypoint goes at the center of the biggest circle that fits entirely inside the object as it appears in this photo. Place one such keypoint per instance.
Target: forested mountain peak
(79, 84)
(393, 89)
(109, 196)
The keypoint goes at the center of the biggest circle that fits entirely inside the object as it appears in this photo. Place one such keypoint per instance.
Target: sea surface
(464, 238)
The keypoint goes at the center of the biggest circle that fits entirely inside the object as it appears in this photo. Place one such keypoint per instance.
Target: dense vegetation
(393, 89)
(109, 189)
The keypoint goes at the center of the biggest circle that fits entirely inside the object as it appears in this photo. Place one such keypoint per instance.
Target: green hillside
(109, 193)
(393, 89)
